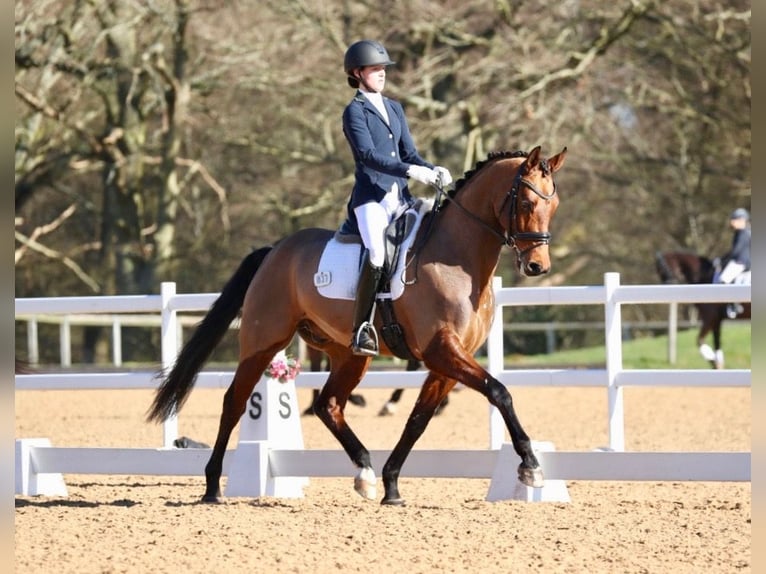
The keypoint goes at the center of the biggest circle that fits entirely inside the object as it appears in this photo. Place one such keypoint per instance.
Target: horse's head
(666, 266)
(530, 205)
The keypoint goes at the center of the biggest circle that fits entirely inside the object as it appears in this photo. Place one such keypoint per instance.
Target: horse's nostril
(534, 268)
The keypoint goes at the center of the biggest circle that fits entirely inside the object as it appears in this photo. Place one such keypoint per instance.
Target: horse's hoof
(392, 502)
(387, 410)
(357, 400)
(364, 484)
(212, 499)
(531, 476)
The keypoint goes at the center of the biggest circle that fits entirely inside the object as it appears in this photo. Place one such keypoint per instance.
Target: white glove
(423, 174)
(444, 175)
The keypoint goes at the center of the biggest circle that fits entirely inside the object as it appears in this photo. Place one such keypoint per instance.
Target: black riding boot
(364, 340)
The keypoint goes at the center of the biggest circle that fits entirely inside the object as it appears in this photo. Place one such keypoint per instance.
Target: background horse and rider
(443, 316)
(693, 269)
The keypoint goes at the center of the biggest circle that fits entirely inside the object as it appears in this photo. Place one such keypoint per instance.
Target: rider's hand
(444, 175)
(423, 174)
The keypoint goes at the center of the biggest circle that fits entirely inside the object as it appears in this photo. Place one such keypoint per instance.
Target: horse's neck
(697, 270)
(468, 240)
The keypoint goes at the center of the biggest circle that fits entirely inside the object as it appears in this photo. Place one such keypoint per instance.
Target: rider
(737, 260)
(385, 156)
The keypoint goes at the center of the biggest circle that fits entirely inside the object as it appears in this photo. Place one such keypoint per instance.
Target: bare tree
(187, 131)
(105, 92)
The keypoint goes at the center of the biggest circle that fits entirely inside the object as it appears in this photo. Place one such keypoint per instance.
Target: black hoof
(212, 499)
(392, 502)
(357, 400)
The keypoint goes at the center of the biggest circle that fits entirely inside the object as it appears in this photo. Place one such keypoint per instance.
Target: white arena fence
(277, 461)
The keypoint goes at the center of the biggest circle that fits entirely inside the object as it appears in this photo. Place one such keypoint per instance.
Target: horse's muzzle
(534, 269)
(533, 265)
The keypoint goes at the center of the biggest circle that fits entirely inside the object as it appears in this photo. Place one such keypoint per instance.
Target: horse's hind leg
(346, 372)
(248, 373)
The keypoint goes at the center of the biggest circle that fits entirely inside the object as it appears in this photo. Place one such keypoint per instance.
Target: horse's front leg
(447, 356)
(433, 391)
(346, 372)
(706, 350)
(718, 362)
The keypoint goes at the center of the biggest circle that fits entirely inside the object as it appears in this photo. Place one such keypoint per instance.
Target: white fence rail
(568, 465)
(118, 321)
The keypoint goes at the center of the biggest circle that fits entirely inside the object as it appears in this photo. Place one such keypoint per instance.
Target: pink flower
(283, 369)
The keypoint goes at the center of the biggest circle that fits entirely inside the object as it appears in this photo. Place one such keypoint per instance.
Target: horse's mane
(693, 267)
(492, 157)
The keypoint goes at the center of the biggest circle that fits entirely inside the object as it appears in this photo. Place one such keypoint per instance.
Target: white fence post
(169, 339)
(117, 341)
(613, 333)
(495, 360)
(65, 343)
(32, 341)
(672, 332)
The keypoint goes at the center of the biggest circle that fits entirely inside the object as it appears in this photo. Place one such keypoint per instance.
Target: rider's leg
(728, 275)
(373, 220)
(363, 339)
(730, 272)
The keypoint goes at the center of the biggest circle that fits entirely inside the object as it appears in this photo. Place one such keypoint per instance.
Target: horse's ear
(557, 161)
(533, 158)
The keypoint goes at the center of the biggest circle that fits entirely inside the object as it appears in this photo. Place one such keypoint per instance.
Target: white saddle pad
(742, 279)
(338, 271)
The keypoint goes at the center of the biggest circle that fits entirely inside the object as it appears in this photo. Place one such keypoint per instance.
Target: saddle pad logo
(322, 278)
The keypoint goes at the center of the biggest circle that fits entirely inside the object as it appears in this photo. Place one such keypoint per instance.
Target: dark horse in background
(444, 314)
(688, 267)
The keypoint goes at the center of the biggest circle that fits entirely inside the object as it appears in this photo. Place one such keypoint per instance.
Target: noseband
(510, 237)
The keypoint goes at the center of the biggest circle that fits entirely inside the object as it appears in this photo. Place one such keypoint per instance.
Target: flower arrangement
(283, 368)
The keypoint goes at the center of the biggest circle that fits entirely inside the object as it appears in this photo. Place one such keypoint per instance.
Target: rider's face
(738, 223)
(374, 77)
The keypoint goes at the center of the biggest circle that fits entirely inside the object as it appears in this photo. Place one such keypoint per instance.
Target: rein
(510, 238)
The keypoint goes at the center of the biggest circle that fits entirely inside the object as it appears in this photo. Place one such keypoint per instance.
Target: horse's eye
(526, 206)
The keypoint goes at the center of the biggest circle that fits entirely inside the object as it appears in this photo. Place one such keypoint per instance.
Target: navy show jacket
(383, 152)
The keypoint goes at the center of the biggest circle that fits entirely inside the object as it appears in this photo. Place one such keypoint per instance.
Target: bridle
(511, 237)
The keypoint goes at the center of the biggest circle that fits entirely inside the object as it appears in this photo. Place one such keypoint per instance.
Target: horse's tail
(176, 385)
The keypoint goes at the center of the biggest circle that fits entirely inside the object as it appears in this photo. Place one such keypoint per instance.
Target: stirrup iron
(367, 331)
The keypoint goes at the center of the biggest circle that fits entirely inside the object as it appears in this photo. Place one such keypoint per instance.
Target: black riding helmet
(364, 53)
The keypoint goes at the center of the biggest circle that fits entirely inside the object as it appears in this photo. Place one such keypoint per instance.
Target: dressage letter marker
(505, 484)
(271, 421)
(29, 482)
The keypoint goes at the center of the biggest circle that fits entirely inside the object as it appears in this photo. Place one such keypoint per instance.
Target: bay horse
(693, 269)
(444, 313)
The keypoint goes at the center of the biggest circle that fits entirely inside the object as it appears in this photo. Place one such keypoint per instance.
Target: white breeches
(730, 272)
(373, 219)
